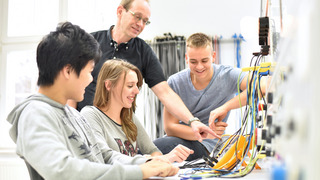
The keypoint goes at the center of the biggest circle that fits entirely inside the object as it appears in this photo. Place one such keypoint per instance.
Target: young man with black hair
(53, 138)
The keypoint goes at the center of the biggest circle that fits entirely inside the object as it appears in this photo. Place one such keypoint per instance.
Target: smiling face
(199, 60)
(129, 24)
(124, 92)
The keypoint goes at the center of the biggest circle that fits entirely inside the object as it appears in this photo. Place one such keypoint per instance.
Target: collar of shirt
(114, 44)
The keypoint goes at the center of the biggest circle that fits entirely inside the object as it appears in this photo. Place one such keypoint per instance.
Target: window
(92, 15)
(21, 29)
(32, 17)
(23, 23)
(20, 73)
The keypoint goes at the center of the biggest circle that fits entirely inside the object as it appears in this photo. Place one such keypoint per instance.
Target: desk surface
(262, 174)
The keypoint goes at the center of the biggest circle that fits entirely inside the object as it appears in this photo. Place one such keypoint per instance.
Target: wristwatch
(193, 119)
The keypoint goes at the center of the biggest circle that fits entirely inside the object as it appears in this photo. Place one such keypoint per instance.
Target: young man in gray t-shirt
(208, 90)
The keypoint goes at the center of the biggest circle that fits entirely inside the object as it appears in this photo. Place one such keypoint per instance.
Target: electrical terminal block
(260, 136)
(262, 107)
(264, 69)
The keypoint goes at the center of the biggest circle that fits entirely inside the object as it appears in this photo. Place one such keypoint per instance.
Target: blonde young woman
(112, 114)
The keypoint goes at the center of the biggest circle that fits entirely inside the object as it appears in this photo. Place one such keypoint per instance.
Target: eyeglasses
(138, 18)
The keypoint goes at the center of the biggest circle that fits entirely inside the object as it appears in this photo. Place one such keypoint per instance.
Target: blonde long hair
(112, 71)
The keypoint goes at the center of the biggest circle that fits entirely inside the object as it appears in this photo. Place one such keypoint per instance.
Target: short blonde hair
(198, 40)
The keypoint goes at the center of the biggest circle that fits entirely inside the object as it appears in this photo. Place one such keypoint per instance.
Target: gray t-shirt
(109, 131)
(222, 88)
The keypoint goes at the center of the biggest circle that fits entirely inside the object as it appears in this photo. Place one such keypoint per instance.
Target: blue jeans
(167, 143)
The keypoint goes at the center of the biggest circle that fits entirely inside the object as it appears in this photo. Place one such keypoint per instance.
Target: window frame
(8, 45)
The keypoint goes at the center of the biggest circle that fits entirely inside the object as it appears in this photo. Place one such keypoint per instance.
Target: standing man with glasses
(122, 41)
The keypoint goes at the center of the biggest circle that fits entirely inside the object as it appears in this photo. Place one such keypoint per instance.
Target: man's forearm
(172, 102)
(181, 131)
(177, 108)
(234, 102)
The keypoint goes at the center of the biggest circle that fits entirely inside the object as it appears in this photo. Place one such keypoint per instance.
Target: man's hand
(220, 113)
(179, 154)
(218, 128)
(158, 168)
(201, 131)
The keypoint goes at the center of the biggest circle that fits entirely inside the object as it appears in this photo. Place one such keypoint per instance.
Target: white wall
(185, 17)
(208, 16)
(213, 17)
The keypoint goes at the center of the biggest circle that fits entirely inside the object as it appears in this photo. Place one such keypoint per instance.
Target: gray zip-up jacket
(59, 144)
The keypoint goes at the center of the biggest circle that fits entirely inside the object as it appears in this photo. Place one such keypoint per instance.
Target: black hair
(68, 45)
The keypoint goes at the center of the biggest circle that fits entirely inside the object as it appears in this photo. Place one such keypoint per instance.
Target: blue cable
(237, 41)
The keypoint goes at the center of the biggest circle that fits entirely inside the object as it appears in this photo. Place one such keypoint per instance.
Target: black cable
(238, 133)
(264, 100)
(193, 164)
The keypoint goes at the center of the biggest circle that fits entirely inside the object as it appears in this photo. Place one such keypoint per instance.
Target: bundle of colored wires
(242, 144)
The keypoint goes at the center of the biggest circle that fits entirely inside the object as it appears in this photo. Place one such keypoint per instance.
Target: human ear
(107, 85)
(120, 10)
(66, 70)
(187, 58)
